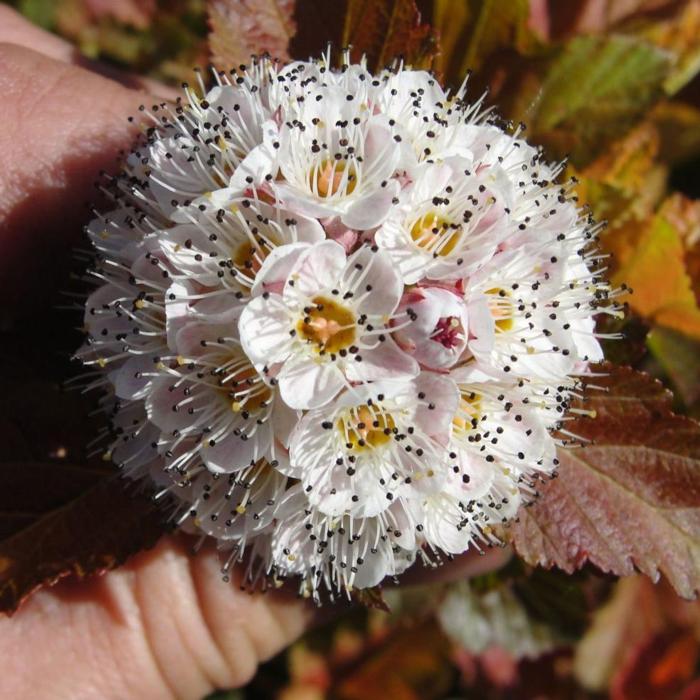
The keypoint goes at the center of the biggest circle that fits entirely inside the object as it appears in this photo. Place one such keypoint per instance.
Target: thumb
(163, 626)
(61, 125)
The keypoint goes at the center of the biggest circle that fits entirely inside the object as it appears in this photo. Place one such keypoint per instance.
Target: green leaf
(679, 36)
(679, 357)
(595, 90)
(629, 500)
(41, 12)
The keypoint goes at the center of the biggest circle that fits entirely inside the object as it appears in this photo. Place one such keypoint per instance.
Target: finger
(163, 626)
(15, 29)
(61, 125)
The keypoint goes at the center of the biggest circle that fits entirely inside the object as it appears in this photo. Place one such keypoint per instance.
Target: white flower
(212, 405)
(337, 157)
(339, 318)
(328, 326)
(479, 620)
(531, 315)
(340, 553)
(229, 248)
(439, 329)
(446, 225)
(238, 506)
(374, 444)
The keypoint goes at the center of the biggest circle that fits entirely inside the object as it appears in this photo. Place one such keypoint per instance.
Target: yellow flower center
(366, 427)
(502, 308)
(469, 409)
(435, 234)
(247, 391)
(248, 258)
(328, 177)
(328, 324)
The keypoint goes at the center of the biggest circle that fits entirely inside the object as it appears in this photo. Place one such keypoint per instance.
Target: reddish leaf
(629, 500)
(318, 23)
(34, 488)
(60, 512)
(412, 664)
(632, 614)
(692, 692)
(241, 28)
(381, 29)
(659, 669)
(385, 29)
(95, 532)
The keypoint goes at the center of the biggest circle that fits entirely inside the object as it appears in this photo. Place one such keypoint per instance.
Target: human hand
(165, 625)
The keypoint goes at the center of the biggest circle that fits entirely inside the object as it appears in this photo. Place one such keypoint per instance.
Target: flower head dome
(339, 317)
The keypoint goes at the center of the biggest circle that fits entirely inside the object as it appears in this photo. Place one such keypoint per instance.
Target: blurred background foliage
(612, 85)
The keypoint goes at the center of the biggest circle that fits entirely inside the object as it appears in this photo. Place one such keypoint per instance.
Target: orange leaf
(684, 215)
(624, 185)
(657, 273)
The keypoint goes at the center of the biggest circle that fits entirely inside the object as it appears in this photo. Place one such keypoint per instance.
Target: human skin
(165, 625)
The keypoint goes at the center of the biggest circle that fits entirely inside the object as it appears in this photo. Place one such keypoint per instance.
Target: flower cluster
(339, 315)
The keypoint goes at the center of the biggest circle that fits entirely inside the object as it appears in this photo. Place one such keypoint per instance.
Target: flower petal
(236, 452)
(306, 384)
(276, 268)
(377, 283)
(383, 361)
(317, 269)
(371, 210)
(264, 329)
